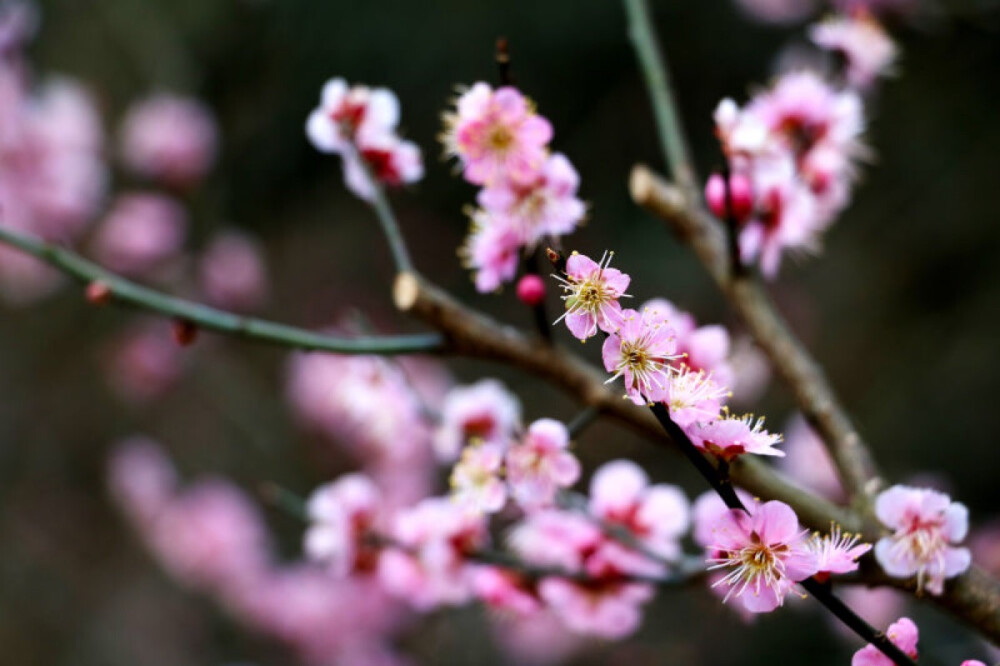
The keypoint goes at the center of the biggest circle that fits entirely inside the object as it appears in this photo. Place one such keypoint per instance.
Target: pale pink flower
(732, 436)
(694, 397)
(808, 461)
(869, 52)
(232, 271)
(641, 349)
(609, 610)
(429, 568)
(837, 552)
(482, 412)
(350, 115)
(492, 250)
(556, 538)
(343, 516)
(475, 480)
(496, 134)
(592, 293)
(903, 633)
(540, 464)
(877, 605)
(141, 478)
(705, 348)
(751, 371)
(764, 553)
(984, 542)
(925, 524)
(539, 639)
(657, 515)
(387, 159)
(141, 234)
(169, 138)
(542, 206)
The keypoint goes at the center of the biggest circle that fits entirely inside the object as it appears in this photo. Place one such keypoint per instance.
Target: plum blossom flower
(496, 135)
(343, 514)
(706, 348)
(484, 412)
(903, 633)
(592, 293)
(506, 590)
(540, 206)
(640, 350)
(765, 552)
(837, 552)
(693, 397)
(142, 232)
(732, 436)
(869, 52)
(657, 515)
(808, 461)
(389, 159)
(475, 480)
(925, 524)
(540, 464)
(232, 271)
(491, 250)
(607, 611)
(169, 138)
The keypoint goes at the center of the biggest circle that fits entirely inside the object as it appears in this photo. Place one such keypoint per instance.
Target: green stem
(209, 318)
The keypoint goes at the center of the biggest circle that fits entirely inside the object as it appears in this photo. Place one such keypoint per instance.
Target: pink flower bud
(715, 195)
(531, 290)
(741, 192)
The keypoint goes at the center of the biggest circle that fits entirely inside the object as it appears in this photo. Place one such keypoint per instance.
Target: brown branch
(812, 391)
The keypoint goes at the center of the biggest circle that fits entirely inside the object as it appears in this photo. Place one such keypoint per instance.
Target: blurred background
(901, 308)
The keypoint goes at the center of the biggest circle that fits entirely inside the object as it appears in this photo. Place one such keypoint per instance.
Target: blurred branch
(202, 316)
(812, 390)
(654, 69)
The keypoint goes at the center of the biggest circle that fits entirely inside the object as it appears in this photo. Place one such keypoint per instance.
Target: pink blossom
(778, 11)
(608, 611)
(506, 590)
(531, 290)
(693, 397)
(903, 633)
(350, 115)
(540, 464)
(701, 348)
(751, 371)
(543, 205)
(985, 546)
(657, 515)
(732, 436)
(764, 552)
(496, 135)
(492, 250)
(556, 538)
(808, 461)
(482, 412)
(837, 552)
(475, 480)
(387, 159)
(877, 605)
(539, 639)
(143, 362)
(169, 138)
(861, 40)
(141, 233)
(343, 516)
(592, 293)
(141, 478)
(429, 567)
(232, 271)
(925, 524)
(640, 350)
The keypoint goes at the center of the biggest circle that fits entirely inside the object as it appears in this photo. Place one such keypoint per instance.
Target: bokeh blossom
(903, 633)
(170, 139)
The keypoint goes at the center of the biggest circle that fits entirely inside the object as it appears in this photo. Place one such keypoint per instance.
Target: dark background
(902, 308)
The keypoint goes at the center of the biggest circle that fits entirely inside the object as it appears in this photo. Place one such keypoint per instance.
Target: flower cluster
(904, 634)
(527, 194)
(360, 124)
(925, 525)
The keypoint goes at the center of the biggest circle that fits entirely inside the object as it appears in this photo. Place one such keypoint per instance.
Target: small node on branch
(640, 184)
(405, 291)
(503, 61)
(98, 293)
(531, 290)
(185, 332)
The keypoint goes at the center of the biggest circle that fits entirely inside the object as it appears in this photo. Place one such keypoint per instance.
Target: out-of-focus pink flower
(506, 590)
(482, 412)
(751, 371)
(903, 633)
(475, 480)
(169, 138)
(778, 11)
(701, 348)
(657, 515)
(496, 135)
(807, 460)
(388, 159)
(540, 464)
(141, 478)
(641, 349)
(608, 611)
(925, 524)
(877, 605)
(141, 233)
(555, 538)
(343, 516)
(868, 51)
(836, 552)
(732, 436)
(592, 293)
(764, 553)
(491, 250)
(429, 567)
(143, 362)
(232, 271)
(540, 206)
(539, 639)
(889, 8)
(18, 25)
(984, 543)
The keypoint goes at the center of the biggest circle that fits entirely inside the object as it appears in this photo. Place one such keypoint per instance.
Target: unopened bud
(531, 289)
(98, 293)
(185, 332)
(740, 195)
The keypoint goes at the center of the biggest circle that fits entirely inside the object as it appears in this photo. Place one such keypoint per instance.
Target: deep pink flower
(142, 232)
(484, 412)
(925, 524)
(640, 349)
(506, 590)
(343, 516)
(492, 250)
(476, 485)
(540, 464)
(903, 633)
(592, 293)
(869, 52)
(732, 436)
(764, 553)
(497, 135)
(169, 138)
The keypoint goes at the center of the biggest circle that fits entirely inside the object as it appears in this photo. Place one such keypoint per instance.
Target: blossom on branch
(640, 349)
(862, 42)
(592, 292)
(903, 633)
(540, 464)
(732, 436)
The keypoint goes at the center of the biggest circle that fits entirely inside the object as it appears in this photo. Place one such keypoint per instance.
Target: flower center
(499, 138)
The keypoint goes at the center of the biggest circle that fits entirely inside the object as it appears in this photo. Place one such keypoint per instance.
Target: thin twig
(583, 419)
(202, 316)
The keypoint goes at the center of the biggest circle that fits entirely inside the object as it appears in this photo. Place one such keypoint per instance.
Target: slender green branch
(209, 318)
(654, 70)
